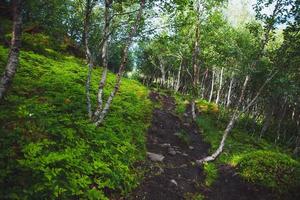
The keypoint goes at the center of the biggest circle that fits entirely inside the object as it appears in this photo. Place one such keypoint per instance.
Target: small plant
(211, 173)
(184, 137)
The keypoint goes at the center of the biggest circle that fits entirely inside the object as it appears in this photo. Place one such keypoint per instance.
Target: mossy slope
(49, 150)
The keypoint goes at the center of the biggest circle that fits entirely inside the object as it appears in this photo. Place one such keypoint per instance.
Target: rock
(191, 147)
(174, 182)
(155, 157)
(165, 145)
(184, 154)
(183, 165)
(171, 151)
(177, 134)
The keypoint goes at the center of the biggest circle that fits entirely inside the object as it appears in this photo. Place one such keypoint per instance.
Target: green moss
(271, 169)
(49, 146)
(211, 173)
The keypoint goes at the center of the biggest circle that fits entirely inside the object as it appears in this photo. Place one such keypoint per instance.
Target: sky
(240, 11)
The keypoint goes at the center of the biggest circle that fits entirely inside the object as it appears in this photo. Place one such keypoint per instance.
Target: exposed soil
(177, 176)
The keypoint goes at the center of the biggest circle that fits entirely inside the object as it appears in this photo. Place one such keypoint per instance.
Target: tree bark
(220, 86)
(229, 91)
(104, 55)
(212, 86)
(178, 76)
(163, 73)
(203, 83)
(268, 119)
(122, 66)
(88, 10)
(13, 57)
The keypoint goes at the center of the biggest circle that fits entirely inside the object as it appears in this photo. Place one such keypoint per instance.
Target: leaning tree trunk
(122, 66)
(228, 128)
(236, 114)
(13, 57)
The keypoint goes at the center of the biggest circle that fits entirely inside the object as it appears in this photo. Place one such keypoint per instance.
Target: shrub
(211, 173)
(271, 169)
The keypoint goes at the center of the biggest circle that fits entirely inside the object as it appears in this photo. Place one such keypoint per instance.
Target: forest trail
(177, 177)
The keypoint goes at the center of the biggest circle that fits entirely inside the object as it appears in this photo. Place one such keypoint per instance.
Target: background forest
(76, 76)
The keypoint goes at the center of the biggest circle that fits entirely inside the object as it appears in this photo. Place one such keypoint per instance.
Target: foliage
(271, 169)
(184, 137)
(257, 160)
(49, 149)
(211, 173)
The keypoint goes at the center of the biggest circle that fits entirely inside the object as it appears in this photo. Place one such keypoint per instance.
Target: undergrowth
(49, 150)
(256, 160)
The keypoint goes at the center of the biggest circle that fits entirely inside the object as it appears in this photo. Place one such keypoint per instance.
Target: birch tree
(15, 44)
(128, 42)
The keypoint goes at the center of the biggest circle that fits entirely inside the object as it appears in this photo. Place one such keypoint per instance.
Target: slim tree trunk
(203, 83)
(88, 10)
(123, 63)
(104, 55)
(163, 73)
(178, 77)
(281, 119)
(220, 86)
(212, 86)
(13, 57)
(195, 62)
(229, 91)
(228, 128)
(268, 119)
(236, 114)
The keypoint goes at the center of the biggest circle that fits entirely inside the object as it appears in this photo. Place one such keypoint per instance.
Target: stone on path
(174, 182)
(171, 151)
(155, 157)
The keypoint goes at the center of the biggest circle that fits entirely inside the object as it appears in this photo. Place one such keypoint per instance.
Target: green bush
(49, 148)
(211, 173)
(271, 169)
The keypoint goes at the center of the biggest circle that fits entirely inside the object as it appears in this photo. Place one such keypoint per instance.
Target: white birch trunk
(233, 119)
(13, 57)
(212, 86)
(220, 86)
(229, 91)
(104, 55)
(122, 66)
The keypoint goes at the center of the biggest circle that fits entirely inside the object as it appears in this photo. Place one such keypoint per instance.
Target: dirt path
(176, 177)
(179, 143)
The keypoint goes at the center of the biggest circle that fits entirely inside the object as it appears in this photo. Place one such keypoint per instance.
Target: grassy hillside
(49, 150)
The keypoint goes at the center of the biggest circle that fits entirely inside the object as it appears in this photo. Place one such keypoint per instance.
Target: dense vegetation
(48, 146)
(76, 76)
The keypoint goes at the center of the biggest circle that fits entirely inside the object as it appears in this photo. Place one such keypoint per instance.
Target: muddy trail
(173, 145)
